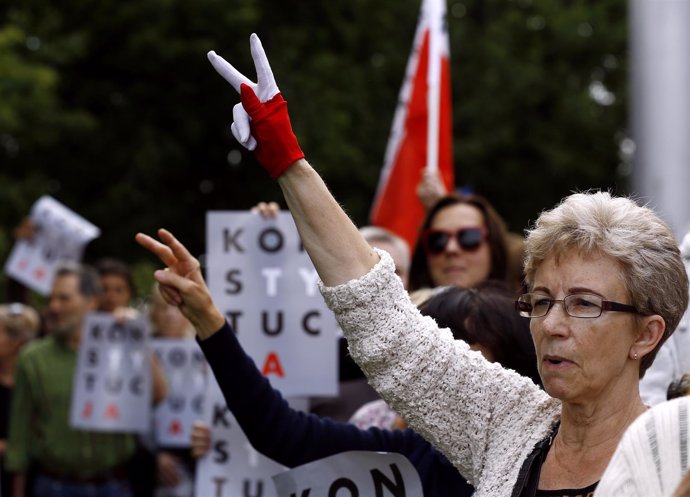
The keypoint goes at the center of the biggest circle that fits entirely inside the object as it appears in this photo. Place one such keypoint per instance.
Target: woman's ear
(650, 332)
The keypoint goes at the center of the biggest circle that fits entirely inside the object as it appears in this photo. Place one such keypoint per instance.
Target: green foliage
(112, 107)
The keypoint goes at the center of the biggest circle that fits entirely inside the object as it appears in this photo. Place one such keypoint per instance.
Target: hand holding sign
(182, 283)
(275, 144)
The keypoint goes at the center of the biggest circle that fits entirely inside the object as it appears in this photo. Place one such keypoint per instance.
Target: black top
(293, 438)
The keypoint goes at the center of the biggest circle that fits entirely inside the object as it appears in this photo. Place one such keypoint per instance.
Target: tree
(113, 109)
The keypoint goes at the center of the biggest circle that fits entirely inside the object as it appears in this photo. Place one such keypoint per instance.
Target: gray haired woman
(607, 287)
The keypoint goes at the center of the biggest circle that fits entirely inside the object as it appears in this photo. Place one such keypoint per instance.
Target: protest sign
(61, 234)
(263, 281)
(232, 468)
(112, 382)
(185, 369)
(352, 474)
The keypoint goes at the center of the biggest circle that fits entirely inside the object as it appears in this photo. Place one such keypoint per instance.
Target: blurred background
(112, 108)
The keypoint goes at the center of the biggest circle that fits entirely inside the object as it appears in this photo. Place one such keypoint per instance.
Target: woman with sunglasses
(607, 288)
(462, 243)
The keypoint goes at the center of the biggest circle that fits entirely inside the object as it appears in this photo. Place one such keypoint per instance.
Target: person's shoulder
(37, 347)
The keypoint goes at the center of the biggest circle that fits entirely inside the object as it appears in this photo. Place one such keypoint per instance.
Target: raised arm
(290, 437)
(336, 248)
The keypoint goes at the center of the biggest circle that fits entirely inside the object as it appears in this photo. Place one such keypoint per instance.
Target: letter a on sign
(112, 412)
(88, 410)
(272, 365)
(175, 427)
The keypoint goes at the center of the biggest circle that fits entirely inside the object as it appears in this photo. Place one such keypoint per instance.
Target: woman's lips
(556, 362)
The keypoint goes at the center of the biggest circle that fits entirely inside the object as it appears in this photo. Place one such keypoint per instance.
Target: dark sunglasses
(470, 239)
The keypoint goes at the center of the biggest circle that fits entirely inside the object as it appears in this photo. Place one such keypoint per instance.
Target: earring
(635, 356)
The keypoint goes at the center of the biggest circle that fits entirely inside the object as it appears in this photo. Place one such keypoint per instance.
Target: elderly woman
(607, 287)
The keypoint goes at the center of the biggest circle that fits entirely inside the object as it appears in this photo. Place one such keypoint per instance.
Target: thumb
(250, 101)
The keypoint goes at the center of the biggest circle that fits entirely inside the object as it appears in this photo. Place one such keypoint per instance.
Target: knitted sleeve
(653, 454)
(484, 418)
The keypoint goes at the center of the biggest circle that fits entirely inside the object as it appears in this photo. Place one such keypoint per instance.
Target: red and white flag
(421, 136)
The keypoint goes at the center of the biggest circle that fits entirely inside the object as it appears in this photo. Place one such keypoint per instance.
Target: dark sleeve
(281, 433)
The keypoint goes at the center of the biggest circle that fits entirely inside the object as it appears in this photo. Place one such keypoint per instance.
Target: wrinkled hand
(201, 439)
(182, 284)
(261, 122)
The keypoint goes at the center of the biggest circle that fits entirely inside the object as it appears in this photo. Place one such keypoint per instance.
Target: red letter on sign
(88, 410)
(112, 412)
(175, 427)
(272, 365)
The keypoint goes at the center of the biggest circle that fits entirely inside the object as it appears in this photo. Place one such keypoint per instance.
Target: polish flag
(421, 136)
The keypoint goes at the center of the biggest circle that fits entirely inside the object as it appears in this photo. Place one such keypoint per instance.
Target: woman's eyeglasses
(469, 239)
(577, 305)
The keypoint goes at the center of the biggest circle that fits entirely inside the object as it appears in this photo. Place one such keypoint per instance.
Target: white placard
(112, 382)
(185, 371)
(61, 234)
(263, 281)
(355, 473)
(232, 468)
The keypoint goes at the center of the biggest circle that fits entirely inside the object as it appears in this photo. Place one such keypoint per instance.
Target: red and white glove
(261, 122)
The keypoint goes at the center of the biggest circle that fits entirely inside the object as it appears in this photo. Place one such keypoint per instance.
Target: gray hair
(635, 236)
(89, 281)
(21, 321)
(378, 234)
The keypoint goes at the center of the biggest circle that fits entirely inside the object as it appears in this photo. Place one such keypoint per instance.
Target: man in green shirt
(67, 462)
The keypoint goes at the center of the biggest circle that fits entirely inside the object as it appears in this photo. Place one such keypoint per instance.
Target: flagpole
(421, 136)
(434, 10)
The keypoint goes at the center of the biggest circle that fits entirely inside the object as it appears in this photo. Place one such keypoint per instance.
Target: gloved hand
(261, 122)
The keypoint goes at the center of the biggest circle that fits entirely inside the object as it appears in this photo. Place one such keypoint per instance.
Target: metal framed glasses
(578, 305)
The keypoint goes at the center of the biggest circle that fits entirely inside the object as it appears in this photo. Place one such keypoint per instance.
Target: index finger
(179, 251)
(264, 73)
(227, 71)
(163, 252)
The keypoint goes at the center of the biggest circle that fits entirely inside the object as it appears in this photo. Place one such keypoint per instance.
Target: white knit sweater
(484, 418)
(652, 456)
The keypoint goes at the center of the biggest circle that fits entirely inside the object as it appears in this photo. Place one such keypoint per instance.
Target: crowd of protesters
(496, 378)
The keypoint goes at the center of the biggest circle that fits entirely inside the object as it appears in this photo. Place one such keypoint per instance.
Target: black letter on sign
(305, 323)
(236, 284)
(90, 380)
(257, 493)
(219, 486)
(176, 403)
(220, 451)
(396, 489)
(219, 413)
(198, 404)
(136, 333)
(274, 243)
(92, 357)
(229, 240)
(305, 493)
(117, 333)
(343, 483)
(135, 385)
(266, 328)
(177, 357)
(96, 332)
(234, 317)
